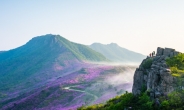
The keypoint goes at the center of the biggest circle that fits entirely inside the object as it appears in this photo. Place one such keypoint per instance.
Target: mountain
(116, 53)
(50, 72)
(42, 58)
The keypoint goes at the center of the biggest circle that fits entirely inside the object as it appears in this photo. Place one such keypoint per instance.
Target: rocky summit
(154, 75)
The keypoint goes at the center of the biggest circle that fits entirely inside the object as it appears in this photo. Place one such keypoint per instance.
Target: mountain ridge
(116, 53)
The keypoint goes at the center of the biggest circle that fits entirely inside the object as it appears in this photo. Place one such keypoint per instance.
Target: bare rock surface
(156, 79)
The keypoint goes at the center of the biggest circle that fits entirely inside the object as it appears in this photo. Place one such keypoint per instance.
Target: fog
(121, 78)
(135, 64)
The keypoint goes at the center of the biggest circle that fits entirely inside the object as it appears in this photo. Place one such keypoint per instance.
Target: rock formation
(154, 75)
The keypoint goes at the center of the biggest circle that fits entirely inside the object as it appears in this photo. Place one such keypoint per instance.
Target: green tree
(147, 64)
(145, 102)
(175, 99)
(165, 105)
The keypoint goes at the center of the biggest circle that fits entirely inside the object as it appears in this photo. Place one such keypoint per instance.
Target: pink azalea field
(89, 84)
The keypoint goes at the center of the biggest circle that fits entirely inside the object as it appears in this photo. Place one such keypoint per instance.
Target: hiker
(150, 54)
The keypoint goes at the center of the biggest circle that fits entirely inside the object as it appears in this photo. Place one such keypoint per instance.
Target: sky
(138, 25)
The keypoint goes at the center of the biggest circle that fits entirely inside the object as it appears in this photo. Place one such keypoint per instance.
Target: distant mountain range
(50, 69)
(42, 56)
(116, 53)
(54, 54)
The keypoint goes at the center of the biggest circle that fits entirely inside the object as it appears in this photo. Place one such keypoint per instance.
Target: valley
(90, 85)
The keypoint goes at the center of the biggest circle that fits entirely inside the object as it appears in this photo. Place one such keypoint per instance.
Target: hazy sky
(138, 25)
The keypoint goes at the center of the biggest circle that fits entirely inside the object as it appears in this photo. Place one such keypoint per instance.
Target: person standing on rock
(150, 54)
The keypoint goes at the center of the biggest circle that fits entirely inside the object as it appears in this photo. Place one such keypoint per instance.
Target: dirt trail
(69, 88)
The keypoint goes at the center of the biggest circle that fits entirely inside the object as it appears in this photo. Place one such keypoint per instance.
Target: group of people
(152, 54)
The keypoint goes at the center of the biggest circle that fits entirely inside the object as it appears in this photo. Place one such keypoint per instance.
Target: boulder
(159, 64)
(154, 66)
(164, 65)
(161, 58)
(156, 58)
(159, 51)
(167, 51)
(163, 61)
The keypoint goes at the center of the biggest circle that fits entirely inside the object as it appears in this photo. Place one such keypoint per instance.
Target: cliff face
(154, 75)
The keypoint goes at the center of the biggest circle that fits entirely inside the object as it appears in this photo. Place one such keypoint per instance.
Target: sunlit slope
(117, 54)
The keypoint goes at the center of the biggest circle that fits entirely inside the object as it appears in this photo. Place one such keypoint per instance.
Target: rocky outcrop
(156, 78)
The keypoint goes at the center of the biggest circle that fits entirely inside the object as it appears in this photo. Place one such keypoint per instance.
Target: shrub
(147, 64)
(174, 69)
(176, 61)
(175, 99)
(145, 102)
(176, 65)
(165, 105)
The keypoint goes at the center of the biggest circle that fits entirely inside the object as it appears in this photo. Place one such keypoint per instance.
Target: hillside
(158, 85)
(47, 55)
(117, 54)
(89, 85)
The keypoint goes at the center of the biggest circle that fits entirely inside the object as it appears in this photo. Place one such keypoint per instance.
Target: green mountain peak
(38, 57)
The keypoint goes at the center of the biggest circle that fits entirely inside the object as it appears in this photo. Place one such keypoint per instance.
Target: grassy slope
(116, 53)
(39, 53)
(82, 52)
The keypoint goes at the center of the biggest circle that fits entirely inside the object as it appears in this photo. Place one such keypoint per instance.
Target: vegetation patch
(174, 101)
(147, 63)
(176, 61)
(176, 65)
(125, 101)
